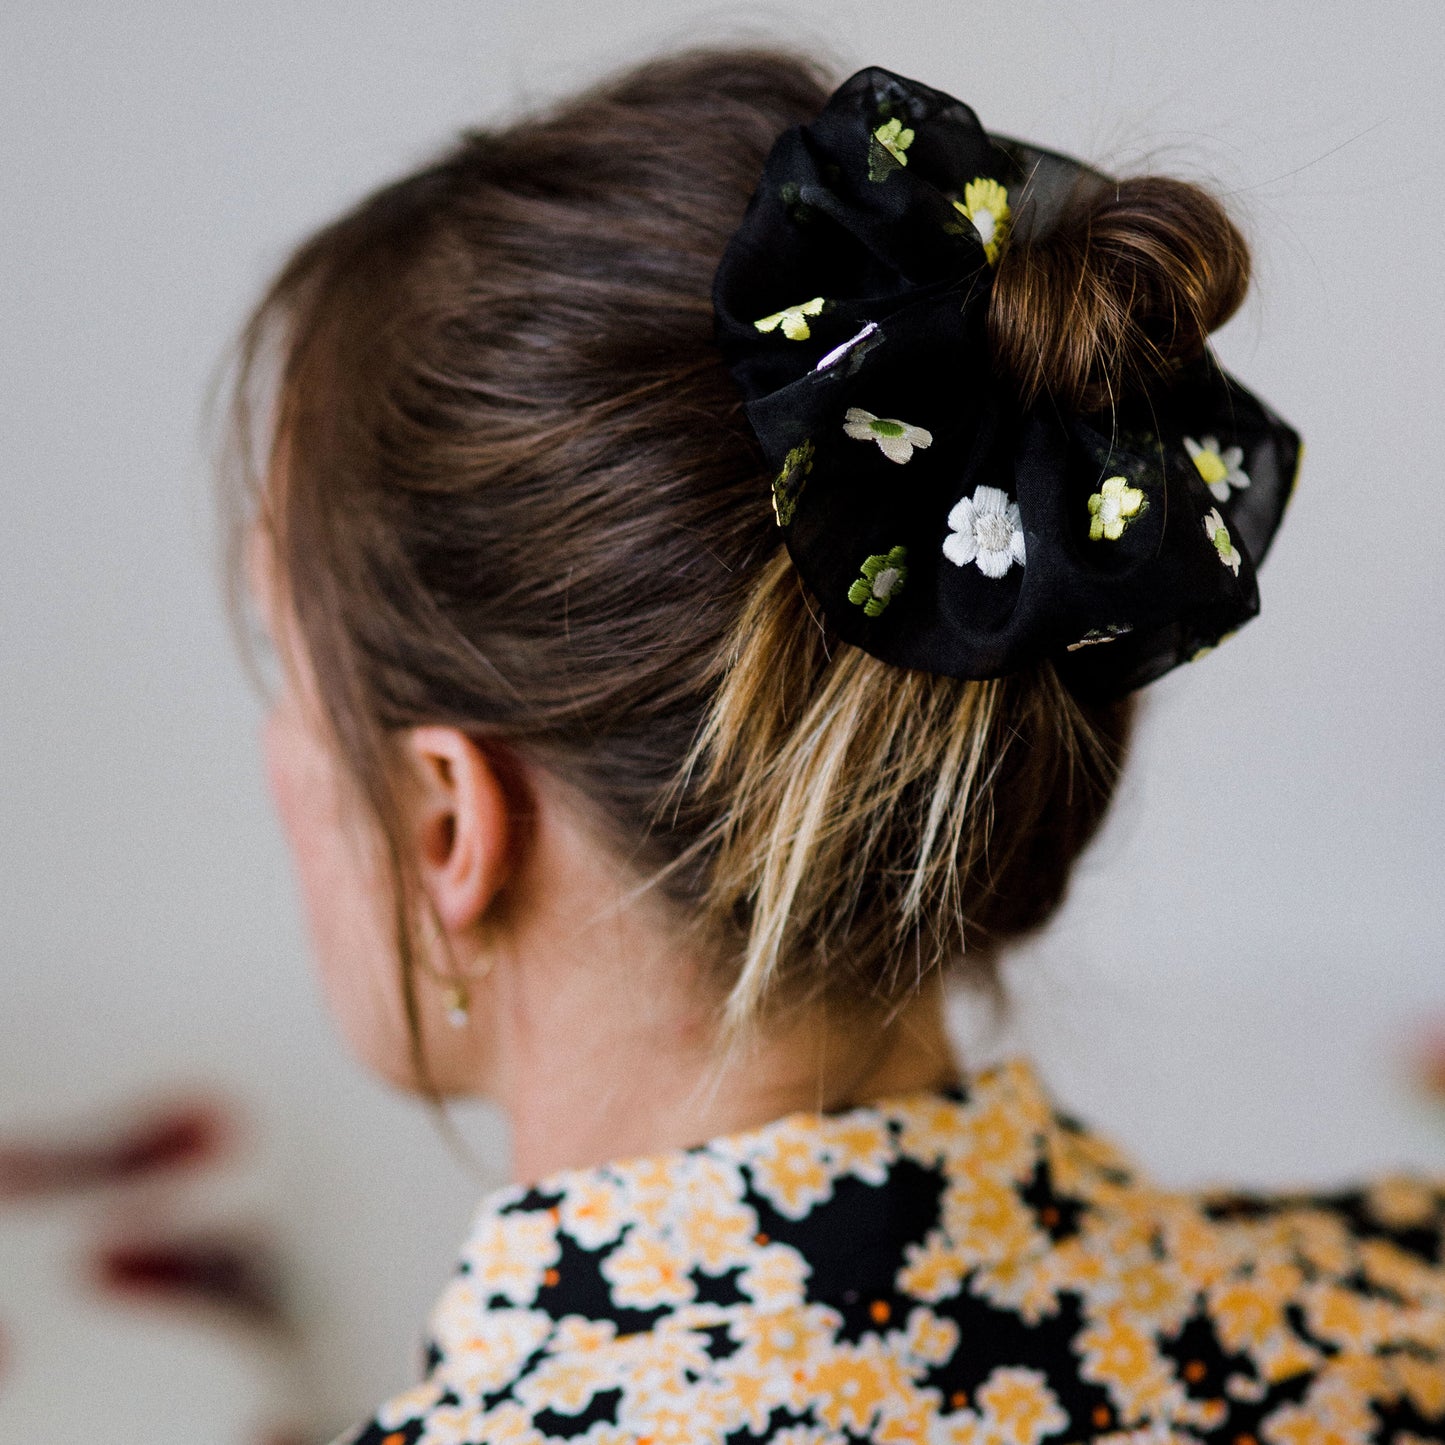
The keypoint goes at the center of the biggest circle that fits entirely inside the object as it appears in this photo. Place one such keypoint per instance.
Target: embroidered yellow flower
(882, 578)
(1113, 507)
(887, 148)
(793, 320)
(985, 204)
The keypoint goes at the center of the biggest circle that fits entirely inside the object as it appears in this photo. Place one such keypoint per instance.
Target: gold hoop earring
(456, 995)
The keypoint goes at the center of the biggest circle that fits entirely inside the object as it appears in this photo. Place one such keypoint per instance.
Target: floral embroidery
(860, 342)
(896, 439)
(883, 576)
(1113, 507)
(886, 149)
(793, 320)
(789, 483)
(1218, 534)
(987, 530)
(985, 203)
(1042, 1294)
(1218, 466)
(1095, 635)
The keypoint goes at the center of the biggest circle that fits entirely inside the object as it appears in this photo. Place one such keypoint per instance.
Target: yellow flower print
(578, 1335)
(986, 1219)
(1349, 1319)
(410, 1405)
(861, 1147)
(786, 1337)
(594, 1211)
(929, 1338)
(1021, 1284)
(985, 203)
(644, 1272)
(1387, 1265)
(1400, 1201)
(565, 1383)
(508, 1424)
(1423, 1383)
(1249, 1317)
(997, 1141)
(1018, 1408)
(1155, 1295)
(1113, 507)
(849, 1387)
(743, 1398)
(775, 1277)
(482, 1349)
(928, 1130)
(454, 1425)
(790, 1172)
(717, 1237)
(1126, 1361)
(793, 320)
(932, 1270)
(508, 1255)
(887, 149)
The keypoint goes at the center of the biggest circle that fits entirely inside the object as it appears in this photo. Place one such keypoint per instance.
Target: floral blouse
(960, 1268)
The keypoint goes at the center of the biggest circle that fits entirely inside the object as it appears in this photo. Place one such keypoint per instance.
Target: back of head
(512, 489)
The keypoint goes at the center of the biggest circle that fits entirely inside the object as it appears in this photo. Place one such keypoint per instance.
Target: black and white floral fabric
(851, 308)
(960, 1268)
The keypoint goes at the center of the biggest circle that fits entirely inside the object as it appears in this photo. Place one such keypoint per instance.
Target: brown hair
(509, 486)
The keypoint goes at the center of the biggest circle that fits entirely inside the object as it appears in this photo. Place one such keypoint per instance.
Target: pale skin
(588, 1023)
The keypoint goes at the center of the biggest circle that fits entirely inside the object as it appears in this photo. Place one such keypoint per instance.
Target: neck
(650, 1090)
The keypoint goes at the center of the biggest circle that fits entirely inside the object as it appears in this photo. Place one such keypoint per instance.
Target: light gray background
(1251, 949)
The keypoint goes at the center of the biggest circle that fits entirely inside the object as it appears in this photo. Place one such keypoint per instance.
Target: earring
(458, 1003)
(457, 997)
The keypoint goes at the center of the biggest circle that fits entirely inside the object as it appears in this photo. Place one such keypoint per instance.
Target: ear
(460, 824)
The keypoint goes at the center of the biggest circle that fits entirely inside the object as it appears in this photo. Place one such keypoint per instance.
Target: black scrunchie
(941, 525)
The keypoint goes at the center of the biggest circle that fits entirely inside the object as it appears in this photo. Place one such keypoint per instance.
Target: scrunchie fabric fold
(942, 525)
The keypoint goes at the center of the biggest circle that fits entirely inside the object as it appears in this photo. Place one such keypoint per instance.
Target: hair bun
(1120, 291)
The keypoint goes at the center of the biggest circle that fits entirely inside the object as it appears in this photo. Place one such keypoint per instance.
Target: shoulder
(959, 1269)
(1287, 1318)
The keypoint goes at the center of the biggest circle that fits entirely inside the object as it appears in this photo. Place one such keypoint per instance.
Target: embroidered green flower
(895, 138)
(788, 484)
(883, 576)
(793, 319)
(1113, 507)
(1218, 534)
(985, 203)
(1219, 467)
(896, 439)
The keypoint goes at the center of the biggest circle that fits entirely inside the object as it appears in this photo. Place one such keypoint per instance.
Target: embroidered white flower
(1218, 534)
(793, 319)
(896, 439)
(985, 203)
(839, 352)
(1219, 466)
(987, 531)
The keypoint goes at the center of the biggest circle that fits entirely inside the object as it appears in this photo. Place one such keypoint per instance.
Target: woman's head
(506, 493)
